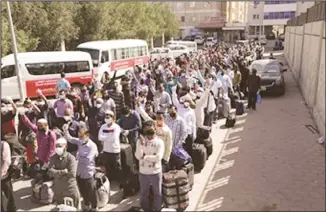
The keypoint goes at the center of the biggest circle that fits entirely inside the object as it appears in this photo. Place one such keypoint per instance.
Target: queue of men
(156, 108)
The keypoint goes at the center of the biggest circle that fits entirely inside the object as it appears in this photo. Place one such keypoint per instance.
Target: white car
(199, 40)
(158, 53)
(263, 41)
(210, 41)
(177, 50)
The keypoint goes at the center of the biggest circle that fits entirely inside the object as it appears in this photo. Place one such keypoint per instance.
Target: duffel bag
(102, 189)
(208, 143)
(176, 189)
(189, 169)
(42, 192)
(203, 132)
(179, 157)
(230, 122)
(199, 155)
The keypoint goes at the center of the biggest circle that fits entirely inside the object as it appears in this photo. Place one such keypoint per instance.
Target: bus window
(8, 71)
(114, 54)
(144, 50)
(126, 51)
(105, 56)
(95, 55)
(119, 54)
(57, 67)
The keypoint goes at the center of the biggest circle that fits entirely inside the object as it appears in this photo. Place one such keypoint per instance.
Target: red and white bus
(41, 70)
(120, 55)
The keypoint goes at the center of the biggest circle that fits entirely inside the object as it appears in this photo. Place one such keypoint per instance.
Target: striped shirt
(119, 101)
(178, 128)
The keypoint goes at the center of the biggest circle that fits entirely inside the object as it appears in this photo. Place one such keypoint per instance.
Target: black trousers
(188, 144)
(8, 202)
(87, 189)
(252, 99)
(112, 163)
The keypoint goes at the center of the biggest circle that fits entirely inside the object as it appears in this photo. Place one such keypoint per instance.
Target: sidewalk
(270, 161)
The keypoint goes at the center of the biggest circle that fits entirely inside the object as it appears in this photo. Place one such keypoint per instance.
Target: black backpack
(230, 121)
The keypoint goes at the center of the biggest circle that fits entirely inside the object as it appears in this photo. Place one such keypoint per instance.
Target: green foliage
(42, 26)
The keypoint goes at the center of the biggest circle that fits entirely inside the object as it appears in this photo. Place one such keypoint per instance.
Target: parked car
(263, 41)
(270, 36)
(158, 53)
(210, 41)
(189, 38)
(271, 74)
(177, 50)
(199, 40)
(281, 37)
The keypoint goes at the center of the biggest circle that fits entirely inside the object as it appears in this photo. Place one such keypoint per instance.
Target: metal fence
(313, 14)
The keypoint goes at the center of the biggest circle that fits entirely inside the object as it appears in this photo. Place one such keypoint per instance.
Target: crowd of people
(154, 108)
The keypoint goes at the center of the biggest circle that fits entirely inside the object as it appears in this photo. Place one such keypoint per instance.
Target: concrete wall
(305, 52)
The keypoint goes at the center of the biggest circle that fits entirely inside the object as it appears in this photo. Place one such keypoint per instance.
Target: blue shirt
(86, 155)
(63, 84)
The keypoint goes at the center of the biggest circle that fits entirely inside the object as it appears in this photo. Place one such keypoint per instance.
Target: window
(105, 56)
(254, 16)
(95, 55)
(279, 15)
(8, 71)
(144, 50)
(257, 16)
(114, 54)
(57, 67)
(192, 4)
(182, 19)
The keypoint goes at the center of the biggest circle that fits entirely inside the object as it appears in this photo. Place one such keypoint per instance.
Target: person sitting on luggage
(86, 155)
(130, 122)
(109, 135)
(63, 167)
(7, 192)
(45, 138)
(149, 152)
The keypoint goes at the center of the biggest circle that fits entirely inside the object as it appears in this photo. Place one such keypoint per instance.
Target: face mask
(108, 121)
(41, 129)
(83, 140)
(59, 151)
(62, 97)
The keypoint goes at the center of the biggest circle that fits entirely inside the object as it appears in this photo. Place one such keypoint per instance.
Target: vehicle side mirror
(284, 69)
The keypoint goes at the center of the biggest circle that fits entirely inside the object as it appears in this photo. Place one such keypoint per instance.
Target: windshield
(271, 69)
(95, 55)
(209, 39)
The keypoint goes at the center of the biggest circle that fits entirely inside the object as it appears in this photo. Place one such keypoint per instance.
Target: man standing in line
(253, 89)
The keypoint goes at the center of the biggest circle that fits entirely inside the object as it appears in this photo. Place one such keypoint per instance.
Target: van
(41, 70)
(177, 50)
(192, 46)
(158, 53)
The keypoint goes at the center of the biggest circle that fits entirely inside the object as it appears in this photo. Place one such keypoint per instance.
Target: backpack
(42, 192)
(15, 170)
(230, 122)
(102, 189)
(180, 157)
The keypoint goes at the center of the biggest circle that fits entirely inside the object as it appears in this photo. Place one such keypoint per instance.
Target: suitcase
(189, 169)
(127, 160)
(203, 132)
(230, 122)
(239, 107)
(176, 189)
(131, 185)
(199, 156)
(220, 108)
(208, 143)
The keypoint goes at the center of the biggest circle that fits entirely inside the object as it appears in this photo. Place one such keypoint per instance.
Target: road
(269, 161)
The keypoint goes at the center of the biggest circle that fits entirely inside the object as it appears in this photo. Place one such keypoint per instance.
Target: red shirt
(7, 123)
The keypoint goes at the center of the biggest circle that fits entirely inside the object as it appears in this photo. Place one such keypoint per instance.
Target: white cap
(42, 121)
(61, 141)
(109, 112)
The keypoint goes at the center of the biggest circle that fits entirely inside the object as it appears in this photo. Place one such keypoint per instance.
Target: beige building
(204, 17)
(236, 17)
(302, 7)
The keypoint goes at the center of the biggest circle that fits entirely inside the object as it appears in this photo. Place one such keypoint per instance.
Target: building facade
(302, 7)
(236, 16)
(200, 17)
(265, 17)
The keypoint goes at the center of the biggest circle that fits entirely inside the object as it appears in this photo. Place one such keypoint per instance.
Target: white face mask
(108, 121)
(62, 97)
(59, 151)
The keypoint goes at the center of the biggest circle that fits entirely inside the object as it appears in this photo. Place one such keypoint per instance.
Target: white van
(41, 70)
(158, 53)
(191, 45)
(177, 50)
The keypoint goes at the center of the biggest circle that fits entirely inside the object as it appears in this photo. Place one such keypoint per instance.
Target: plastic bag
(258, 98)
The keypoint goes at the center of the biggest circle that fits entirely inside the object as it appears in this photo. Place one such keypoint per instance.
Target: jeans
(87, 188)
(252, 99)
(146, 181)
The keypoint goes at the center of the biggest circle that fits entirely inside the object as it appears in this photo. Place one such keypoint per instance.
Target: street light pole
(14, 48)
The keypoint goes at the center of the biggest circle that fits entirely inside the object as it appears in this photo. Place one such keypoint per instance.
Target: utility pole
(14, 48)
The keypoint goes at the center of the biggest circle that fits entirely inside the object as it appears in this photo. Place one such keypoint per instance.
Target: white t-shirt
(110, 136)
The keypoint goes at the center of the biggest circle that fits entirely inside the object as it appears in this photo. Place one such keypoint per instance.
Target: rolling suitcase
(199, 156)
(239, 107)
(189, 169)
(175, 189)
(127, 160)
(208, 143)
(203, 132)
(220, 108)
